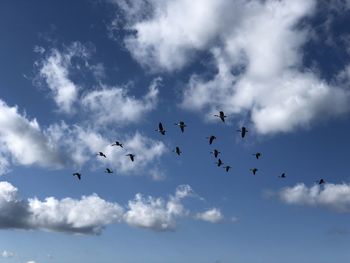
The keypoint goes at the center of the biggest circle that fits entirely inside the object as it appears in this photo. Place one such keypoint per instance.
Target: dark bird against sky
(221, 115)
(161, 129)
(78, 175)
(182, 125)
(131, 156)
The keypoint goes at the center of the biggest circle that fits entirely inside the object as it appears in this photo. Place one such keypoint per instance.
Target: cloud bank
(91, 214)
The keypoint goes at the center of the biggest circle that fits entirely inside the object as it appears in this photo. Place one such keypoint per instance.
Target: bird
(132, 156)
(182, 125)
(161, 129)
(321, 181)
(243, 131)
(257, 155)
(109, 171)
(177, 150)
(117, 144)
(219, 162)
(102, 154)
(221, 115)
(227, 168)
(253, 170)
(77, 175)
(215, 152)
(283, 175)
(211, 139)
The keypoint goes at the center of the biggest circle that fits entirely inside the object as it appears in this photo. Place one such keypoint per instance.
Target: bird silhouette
(215, 152)
(78, 175)
(131, 156)
(257, 155)
(177, 150)
(321, 181)
(227, 168)
(161, 129)
(219, 162)
(182, 125)
(243, 131)
(282, 175)
(253, 170)
(109, 171)
(102, 154)
(117, 144)
(221, 115)
(211, 139)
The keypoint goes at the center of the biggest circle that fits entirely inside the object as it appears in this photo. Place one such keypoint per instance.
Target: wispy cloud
(7, 254)
(60, 146)
(54, 69)
(115, 106)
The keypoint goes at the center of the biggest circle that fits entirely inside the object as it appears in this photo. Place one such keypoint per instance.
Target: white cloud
(258, 58)
(213, 215)
(55, 71)
(7, 254)
(91, 214)
(174, 30)
(23, 140)
(115, 106)
(332, 196)
(156, 213)
(81, 145)
(31, 261)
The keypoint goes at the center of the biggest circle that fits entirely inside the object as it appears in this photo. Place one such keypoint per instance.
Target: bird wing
(161, 126)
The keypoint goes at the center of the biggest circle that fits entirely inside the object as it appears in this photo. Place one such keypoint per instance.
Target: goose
(221, 115)
(219, 162)
(161, 129)
(211, 139)
(182, 125)
(227, 168)
(117, 144)
(102, 154)
(243, 131)
(131, 156)
(253, 170)
(78, 175)
(257, 155)
(177, 150)
(215, 152)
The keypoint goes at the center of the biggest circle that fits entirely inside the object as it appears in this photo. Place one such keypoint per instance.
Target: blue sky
(75, 77)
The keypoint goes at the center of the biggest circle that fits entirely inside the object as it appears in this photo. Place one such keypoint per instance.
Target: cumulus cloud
(213, 215)
(114, 105)
(55, 71)
(332, 196)
(88, 215)
(24, 141)
(156, 213)
(91, 214)
(257, 50)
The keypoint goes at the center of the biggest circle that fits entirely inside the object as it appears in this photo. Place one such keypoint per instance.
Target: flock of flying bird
(243, 131)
